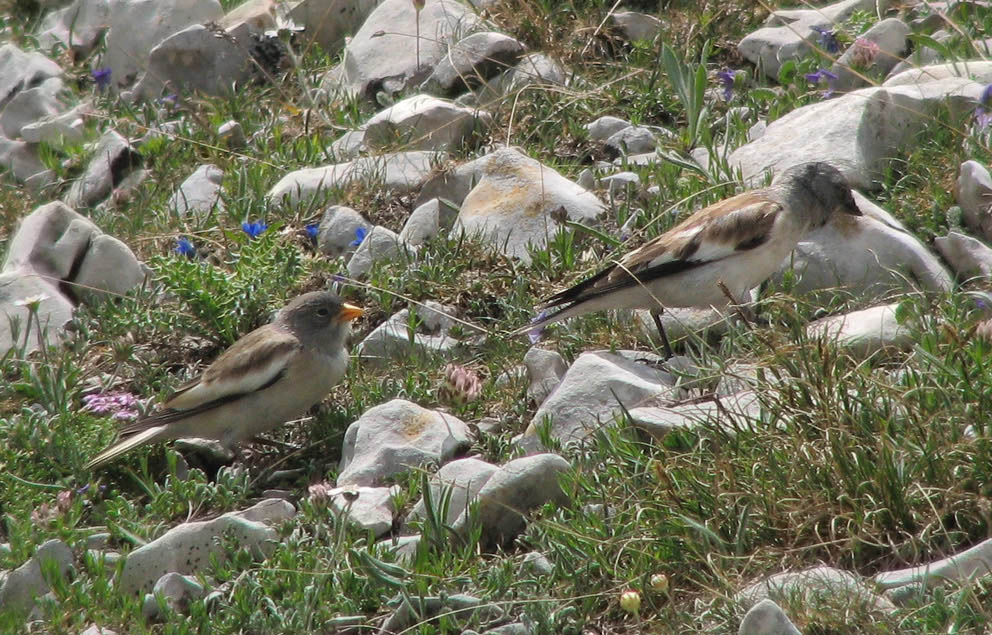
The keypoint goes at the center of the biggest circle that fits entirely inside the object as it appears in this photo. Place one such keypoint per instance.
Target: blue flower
(169, 100)
(101, 76)
(360, 234)
(312, 230)
(983, 114)
(726, 77)
(254, 230)
(820, 75)
(184, 247)
(828, 39)
(535, 335)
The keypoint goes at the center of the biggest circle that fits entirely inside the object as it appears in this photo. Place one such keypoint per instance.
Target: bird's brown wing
(733, 225)
(254, 362)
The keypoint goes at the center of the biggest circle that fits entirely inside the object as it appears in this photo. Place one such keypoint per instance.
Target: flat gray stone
(427, 221)
(20, 587)
(367, 508)
(545, 370)
(605, 127)
(974, 195)
(22, 161)
(328, 22)
(50, 240)
(533, 69)
(109, 269)
(379, 244)
(177, 590)
(78, 26)
(976, 70)
(393, 339)
(967, 565)
(472, 60)
(814, 585)
(399, 172)
(31, 105)
(740, 411)
(59, 128)
(199, 194)
(637, 26)
(339, 229)
(424, 122)
(18, 286)
(397, 436)
(20, 70)
(461, 480)
(766, 618)
(113, 159)
(967, 256)
(864, 333)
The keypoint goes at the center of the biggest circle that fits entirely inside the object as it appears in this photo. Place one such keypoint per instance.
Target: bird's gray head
(320, 315)
(820, 190)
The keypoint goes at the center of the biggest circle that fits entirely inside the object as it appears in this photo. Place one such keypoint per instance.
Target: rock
(98, 630)
(78, 26)
(31, 105)
(741, 411)
(113, 159)
(789, 33)
(857, 132)
(976, 70)
(109, 268)
(818, 584)
(403, 547)
(382, 56)
(329, 22)
(473, 60)
(863, 333)
(22, 161)
(18, 286)
(59, 128)
(232, 135)
(545, 370)
(967, 565)
(397, 436)
(619, 183)
(637, 26)
(190, 548)
(868, 256)
(379, 244)
(340, 227)
(511, 206)
(423, 122)
(199, 194)
(890, 40)
(369, 509)
(967, 256)
(205, 58)
(350, 145)
(393, 340)
(587, 397)
(399, 172)
(177, 590)
(461, 481)
(427, 221)
(605, 127)
(922, 55)
(974, 195)
(413, 609)
(50, 240)
(512, 492)
(683, 323)
(138, 26)
(21, 71)
(537, 562)
(631, 140)
(534, 68)
(20, 587)
(766, 618)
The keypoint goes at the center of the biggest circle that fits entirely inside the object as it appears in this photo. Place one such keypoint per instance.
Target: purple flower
(101, 76)
(312, 230)
(184, 247)
(112, 403)
(535, 335)
(819, 76)
(254, 230)
(983, 114)
(828, 39)
(169, 100)
(339, 278)
(360, 234)
(726, 77)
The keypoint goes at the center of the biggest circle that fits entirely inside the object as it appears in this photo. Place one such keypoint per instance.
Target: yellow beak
(349, 312)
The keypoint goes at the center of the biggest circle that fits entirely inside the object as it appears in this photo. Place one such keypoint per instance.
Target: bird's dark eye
(323, 312)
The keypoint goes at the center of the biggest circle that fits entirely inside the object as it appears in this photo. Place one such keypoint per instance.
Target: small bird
(729, 247)
(269, 376)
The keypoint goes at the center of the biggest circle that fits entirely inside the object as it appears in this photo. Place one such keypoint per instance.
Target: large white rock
(863, 333)
(19, 70)
(473, 60)
(380, 244)
(50, 240)
(31, 105)
(967, 256)
(199, 194)
(113, 159)
(976, 70)
(767, 618)
(460, 481)
(382, 55)
(857, 132)
(22, 161)
(974, 195)
(591, 393)
(78, 26)
(138, 26)
(399, 172)
(511, 206)
(328, 22)
(20, 587)
(963, 567)
(818, 584)
(395, 437)
(423, 122)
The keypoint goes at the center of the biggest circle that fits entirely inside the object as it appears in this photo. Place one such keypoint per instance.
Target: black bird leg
(656, 314)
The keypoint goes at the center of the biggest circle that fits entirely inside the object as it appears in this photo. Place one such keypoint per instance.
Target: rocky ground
(175, 171)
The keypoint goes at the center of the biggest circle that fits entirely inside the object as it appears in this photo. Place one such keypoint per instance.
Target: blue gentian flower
(983, 112)
(312, 230)
(254, 230)
(184, 247)
(828, 39)
(101, 76)
(726, 77)
(820, 75)
(360, 234)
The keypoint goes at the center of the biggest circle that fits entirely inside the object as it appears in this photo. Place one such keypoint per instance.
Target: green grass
(861, 465)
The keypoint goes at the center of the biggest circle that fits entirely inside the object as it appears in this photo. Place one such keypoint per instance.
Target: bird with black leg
(722, 250)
